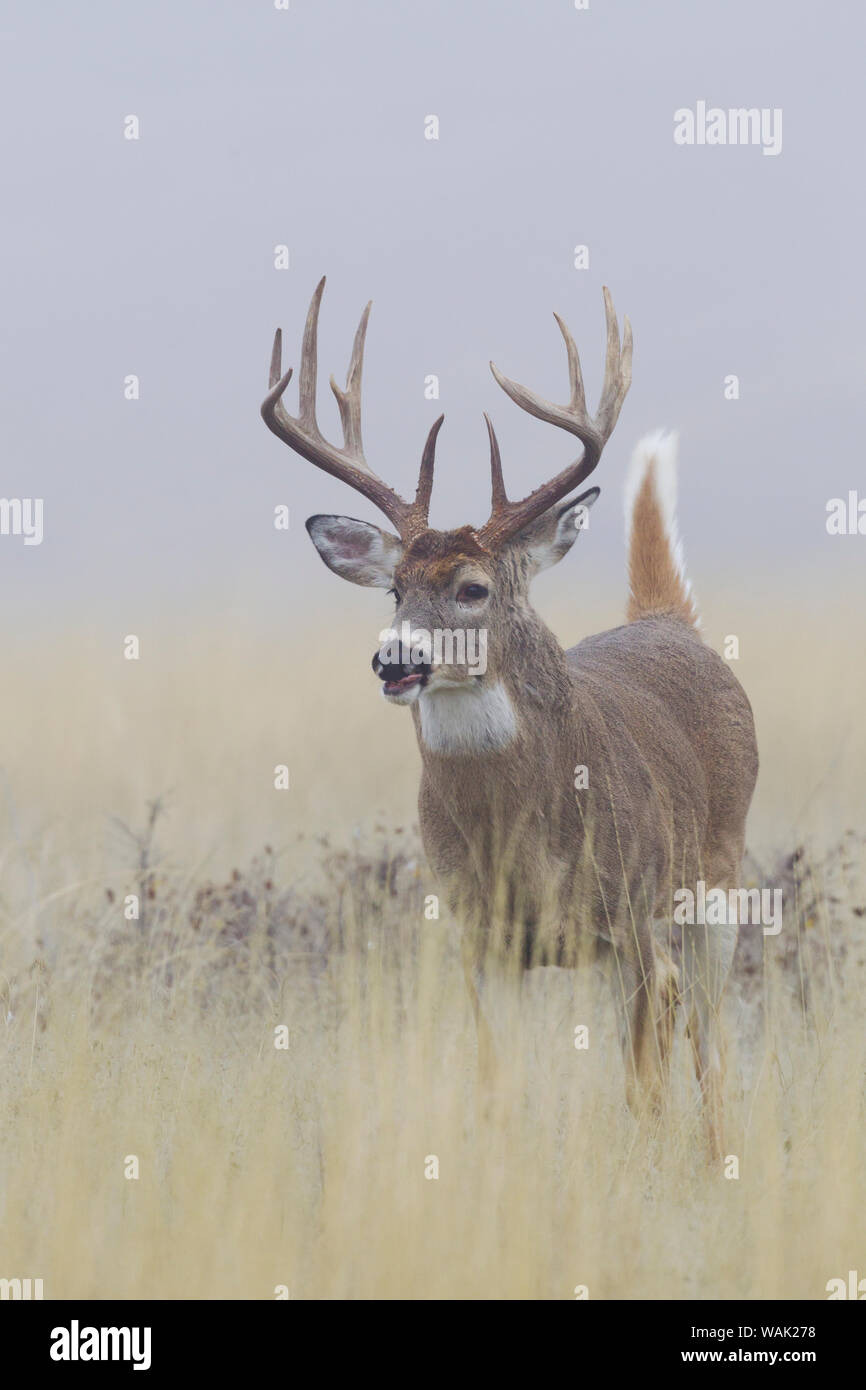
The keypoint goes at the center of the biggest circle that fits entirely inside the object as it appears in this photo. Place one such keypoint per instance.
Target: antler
(347, 463)
(507, 518)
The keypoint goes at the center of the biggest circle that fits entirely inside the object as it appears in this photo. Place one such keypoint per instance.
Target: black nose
(391, 671)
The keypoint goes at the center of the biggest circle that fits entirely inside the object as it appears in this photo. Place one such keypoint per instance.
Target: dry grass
(305, 1167)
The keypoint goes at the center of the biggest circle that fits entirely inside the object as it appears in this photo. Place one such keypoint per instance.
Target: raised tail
(658, 586)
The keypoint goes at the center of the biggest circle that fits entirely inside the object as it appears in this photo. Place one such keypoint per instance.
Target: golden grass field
(304, 1167)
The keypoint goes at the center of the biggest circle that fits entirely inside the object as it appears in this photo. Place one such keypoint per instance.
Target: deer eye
(471, 593)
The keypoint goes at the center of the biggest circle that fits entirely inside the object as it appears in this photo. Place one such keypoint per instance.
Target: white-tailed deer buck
(538, 861)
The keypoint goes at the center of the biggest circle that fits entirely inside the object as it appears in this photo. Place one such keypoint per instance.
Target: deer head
(468, 580)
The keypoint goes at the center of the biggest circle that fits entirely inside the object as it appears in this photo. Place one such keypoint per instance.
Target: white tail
(658, 581)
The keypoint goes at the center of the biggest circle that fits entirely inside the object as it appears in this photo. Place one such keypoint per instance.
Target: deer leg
(708, 952)
(495, 993)
(474, 976)
(644, 984)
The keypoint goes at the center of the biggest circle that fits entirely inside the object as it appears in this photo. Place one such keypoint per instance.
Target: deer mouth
(400, 685)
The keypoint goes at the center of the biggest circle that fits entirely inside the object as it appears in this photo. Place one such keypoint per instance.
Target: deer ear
(547, 539)
(355, 550)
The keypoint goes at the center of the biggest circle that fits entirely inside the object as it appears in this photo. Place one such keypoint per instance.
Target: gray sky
(261, 127)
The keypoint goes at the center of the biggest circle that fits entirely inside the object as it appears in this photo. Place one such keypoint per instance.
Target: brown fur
(537, 871)
(537, 866)
(433, 556)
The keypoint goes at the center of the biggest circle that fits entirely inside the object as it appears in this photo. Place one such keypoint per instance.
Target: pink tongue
(403, 682)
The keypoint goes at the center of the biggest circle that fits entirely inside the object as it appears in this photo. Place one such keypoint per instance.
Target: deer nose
(395, 670)
(398, 676)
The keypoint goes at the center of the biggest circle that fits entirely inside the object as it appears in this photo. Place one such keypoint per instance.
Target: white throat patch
(472, 720)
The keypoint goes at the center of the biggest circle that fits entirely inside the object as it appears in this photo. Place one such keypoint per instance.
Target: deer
(538, 864)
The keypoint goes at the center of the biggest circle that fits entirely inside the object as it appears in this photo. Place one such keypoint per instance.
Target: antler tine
(507, 518)
(424, 490)
(302, 433)
(349, 401)
(309, 365)
(499, 498)
(277, 362)
(575, 375)
(617, 367)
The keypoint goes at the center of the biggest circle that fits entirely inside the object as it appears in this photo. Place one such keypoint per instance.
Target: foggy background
(261, 127)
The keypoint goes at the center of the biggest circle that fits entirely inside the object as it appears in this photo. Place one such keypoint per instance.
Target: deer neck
(516, 709)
